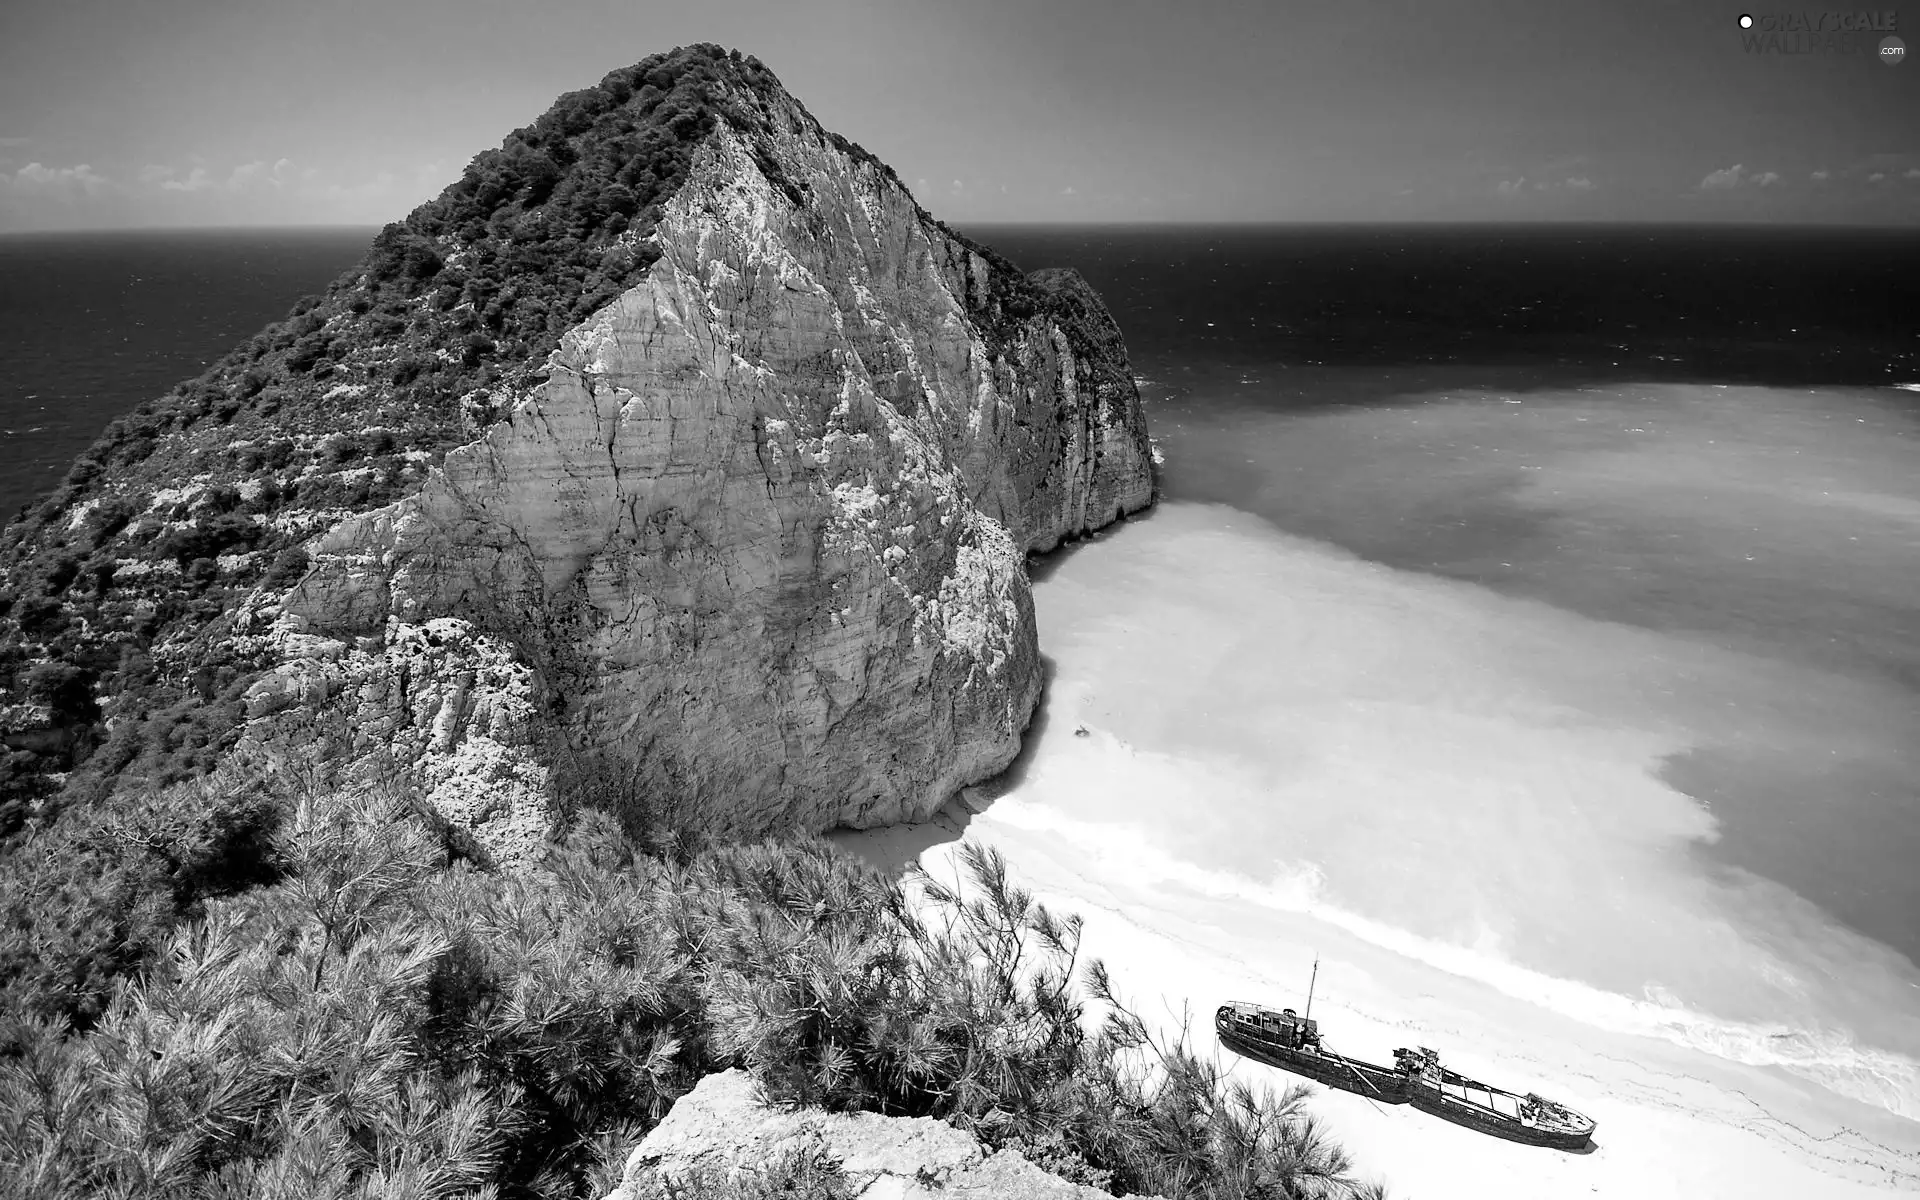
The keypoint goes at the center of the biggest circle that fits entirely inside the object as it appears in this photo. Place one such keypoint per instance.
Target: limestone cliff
(724, 1132)
(755, 529)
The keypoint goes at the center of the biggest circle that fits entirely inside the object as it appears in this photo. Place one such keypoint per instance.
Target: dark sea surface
(92, 324)
(1677, 459)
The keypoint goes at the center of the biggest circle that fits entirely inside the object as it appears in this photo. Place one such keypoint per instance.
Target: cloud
(1516, 187)
(1069, 190)
(12, 142)
(247, 174)
(38, 177)
(1878, 168)
(1822, 175)
(199, 179)
(1913, 173)
(1737, 176)
(186, 190)
(379, 186)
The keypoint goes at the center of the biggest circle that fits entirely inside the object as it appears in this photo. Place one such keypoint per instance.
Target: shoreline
(1672, 1121)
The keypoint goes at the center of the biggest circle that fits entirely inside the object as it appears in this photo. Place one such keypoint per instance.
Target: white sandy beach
(1672, 1122)
(1230, 707)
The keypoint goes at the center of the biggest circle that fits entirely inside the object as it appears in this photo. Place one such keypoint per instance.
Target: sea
(1540, 603)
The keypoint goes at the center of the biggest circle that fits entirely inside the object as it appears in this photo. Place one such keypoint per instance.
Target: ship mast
(1310, 983)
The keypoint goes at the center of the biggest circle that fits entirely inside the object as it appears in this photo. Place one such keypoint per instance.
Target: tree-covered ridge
(236, 975)
(375, 1016)
(113, 657)
(118, 582)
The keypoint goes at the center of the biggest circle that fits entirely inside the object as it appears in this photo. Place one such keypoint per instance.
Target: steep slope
(675, 439)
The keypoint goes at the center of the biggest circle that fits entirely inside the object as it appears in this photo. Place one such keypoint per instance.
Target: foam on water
(1468, 780)
(1827, 1057)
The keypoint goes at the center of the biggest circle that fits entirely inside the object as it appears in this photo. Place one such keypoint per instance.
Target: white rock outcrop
(760, 535)
(455, 705)
(725, 1128)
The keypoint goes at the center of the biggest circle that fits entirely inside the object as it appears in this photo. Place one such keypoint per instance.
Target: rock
(454, 704)
(724, 1128)
(724, 455)
(761, 532)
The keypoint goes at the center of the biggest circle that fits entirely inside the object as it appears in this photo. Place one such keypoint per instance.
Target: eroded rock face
(724, 1128)
(456, 705)
(761, 533)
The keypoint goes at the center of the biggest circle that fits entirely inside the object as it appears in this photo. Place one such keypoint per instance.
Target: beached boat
(1291, 1042)
(1453, 1097)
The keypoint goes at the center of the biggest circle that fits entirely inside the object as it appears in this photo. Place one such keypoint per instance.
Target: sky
(133, 113)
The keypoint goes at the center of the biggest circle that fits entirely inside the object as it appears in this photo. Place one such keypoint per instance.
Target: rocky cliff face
(723, 1132)
(757, 533)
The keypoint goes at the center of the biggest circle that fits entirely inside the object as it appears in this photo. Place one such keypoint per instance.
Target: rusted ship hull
(1492, 1110)
(1335, 1070)
(1292, 1043)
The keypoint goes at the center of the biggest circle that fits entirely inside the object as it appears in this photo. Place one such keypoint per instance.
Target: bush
(208, 538)
(369, 1007)
(39, 616)
(87, 899)
(308, 351)
(288, 567)
(399, 253)
(792, 1174)
(61, 569)
(63, 687)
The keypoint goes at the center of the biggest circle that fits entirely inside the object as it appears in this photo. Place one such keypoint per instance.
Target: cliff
(675, 439)
(724, 1133)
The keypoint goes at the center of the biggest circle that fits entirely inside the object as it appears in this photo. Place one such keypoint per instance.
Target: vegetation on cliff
(115, 667)
(120, 687)
(230, 974)
(118, 582)
(377, 1016)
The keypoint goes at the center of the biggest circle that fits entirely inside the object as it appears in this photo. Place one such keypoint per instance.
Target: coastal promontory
(674, 447)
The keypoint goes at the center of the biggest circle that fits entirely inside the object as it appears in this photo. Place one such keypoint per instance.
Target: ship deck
(1504, 1104)
(1272, 1038)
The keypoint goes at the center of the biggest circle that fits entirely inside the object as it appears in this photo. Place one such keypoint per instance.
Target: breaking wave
(1827, 1057)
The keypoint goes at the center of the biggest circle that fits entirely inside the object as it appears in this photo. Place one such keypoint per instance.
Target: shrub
(399, 253)
(107, 519)
(288, 567)
(208, 537)
(39, 616)
(308, 351)
(63, 687)
(61, 569)
(324, 988)
(796, 1173)
(87, 899)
